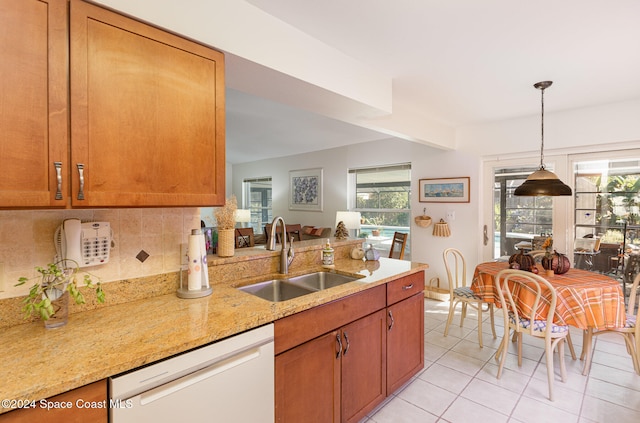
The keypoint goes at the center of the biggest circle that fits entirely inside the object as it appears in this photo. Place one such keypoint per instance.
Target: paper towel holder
(183, 290)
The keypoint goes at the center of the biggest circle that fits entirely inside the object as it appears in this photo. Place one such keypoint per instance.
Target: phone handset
(72, 240)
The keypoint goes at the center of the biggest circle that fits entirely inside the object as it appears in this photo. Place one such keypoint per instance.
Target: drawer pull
(392, 320)
(407, 287)
(347, 347)
(58, 167)
(81, 175)
(339, 341)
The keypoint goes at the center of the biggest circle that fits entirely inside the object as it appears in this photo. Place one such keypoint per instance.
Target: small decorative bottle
(327, 254)
(371, 254)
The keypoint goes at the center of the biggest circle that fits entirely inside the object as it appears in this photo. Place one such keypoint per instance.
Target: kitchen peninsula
(112, 339)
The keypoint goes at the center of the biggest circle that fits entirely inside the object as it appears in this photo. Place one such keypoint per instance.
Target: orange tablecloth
(584, 299)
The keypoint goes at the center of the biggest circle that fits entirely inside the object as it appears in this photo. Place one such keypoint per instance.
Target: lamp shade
(351, 220)
(543, 182)
(441, 229)
(243, 215)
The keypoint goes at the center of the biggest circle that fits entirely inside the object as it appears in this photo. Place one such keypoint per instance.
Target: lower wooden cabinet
(87, 404)
(405, 341)
(338, 361)
(308, 382)
(337, 377)
(363, 366)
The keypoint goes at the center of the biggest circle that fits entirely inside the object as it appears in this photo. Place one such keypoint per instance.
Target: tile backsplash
(26, 241)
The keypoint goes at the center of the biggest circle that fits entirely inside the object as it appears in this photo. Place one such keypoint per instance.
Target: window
(383, 197)
(518, 219)
(257, 198)
(607, 204)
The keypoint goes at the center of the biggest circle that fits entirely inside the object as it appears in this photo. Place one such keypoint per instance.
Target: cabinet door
(33, 103)
(363, 366)
(405, 341)
(88, 405)
(308, 382)
(147, 114)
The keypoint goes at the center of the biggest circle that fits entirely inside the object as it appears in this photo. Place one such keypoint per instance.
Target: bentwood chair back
(630, 331)
(460, 293)
(398, 244)
(517, 288)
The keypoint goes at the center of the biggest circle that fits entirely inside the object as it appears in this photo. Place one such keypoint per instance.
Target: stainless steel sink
(289, 288)
(276, 290)
(321, 280)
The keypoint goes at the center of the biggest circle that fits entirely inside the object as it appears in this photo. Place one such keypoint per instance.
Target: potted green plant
(49, 296)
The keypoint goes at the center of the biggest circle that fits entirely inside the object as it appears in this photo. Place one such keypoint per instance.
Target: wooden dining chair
(398, 244)
(293, 232)
(460, 293)
(513, 285)
(630, 331)
(244, 237)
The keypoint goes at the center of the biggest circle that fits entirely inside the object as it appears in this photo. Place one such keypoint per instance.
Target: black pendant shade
(542, 182)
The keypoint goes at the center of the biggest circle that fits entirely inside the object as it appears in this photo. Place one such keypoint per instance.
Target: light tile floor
(459, 385)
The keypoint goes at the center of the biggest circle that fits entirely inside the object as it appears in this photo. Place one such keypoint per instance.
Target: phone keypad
(95, 250)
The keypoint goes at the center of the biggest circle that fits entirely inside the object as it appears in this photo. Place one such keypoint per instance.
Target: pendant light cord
(542, 131)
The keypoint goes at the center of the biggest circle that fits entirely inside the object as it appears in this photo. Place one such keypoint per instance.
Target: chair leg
(519, 335)
(587, 351)
(452, 306)
(463, 314)
(493, 324)
(548, 352)
(502, 350)
(632, 349)
(480, 324)
(563, 369)
(570, 344)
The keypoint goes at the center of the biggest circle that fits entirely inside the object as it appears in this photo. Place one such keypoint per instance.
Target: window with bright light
(383, 197)
(257, 198)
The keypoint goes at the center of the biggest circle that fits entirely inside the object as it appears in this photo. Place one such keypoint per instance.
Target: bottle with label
(327, 254)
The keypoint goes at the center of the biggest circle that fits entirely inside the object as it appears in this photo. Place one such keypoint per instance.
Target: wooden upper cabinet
(147, 114)
(33, 103)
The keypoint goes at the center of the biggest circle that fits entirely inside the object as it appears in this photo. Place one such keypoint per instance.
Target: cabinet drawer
(404, 287)
(309, 324)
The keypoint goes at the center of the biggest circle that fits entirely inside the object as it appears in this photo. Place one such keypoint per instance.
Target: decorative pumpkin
(357, 253)
(557, 262)
(522, 261)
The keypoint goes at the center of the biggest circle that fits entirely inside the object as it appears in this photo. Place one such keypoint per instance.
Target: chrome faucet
(286, 257)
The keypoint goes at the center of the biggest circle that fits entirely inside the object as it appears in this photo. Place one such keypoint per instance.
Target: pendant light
(543, 182)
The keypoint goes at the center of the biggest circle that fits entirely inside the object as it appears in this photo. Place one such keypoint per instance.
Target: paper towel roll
(195, 262)
(203, 254)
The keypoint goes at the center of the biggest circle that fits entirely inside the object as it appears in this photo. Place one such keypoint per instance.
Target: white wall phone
(86, 243)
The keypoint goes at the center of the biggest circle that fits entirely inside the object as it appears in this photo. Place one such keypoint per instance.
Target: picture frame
(305, 189)
(444, 190)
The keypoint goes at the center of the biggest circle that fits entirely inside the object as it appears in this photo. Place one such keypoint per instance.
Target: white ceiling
(460, 62)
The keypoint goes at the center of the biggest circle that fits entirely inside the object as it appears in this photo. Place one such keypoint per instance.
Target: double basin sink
(284, 289)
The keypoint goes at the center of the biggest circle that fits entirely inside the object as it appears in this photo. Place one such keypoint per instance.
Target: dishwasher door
(228, 381)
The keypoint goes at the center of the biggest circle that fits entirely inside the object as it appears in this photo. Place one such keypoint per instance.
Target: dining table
(585, 300)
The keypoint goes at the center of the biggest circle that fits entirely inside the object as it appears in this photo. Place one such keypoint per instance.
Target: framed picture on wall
(444, 190)
(305, 189)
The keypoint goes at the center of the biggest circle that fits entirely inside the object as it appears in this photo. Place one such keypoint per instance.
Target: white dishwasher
(228, 381)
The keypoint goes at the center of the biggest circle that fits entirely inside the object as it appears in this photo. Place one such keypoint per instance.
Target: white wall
(426, 162)
(608, 127)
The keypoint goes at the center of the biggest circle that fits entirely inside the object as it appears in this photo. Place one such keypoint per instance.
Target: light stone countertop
(39, 363)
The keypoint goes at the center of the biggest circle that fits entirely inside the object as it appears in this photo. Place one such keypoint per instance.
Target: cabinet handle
(339, 340)
(81, 174)
(58, 166)
(347, 347)
(407, 287)
(392, 321)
